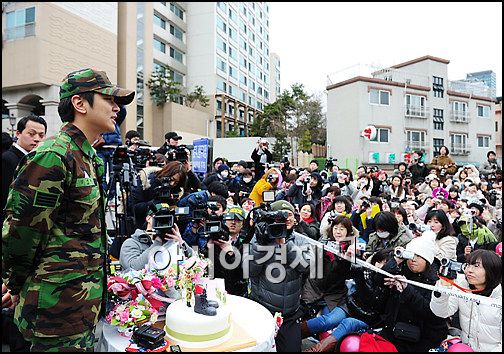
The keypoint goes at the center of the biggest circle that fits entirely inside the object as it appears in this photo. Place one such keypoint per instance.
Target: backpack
(369, 342)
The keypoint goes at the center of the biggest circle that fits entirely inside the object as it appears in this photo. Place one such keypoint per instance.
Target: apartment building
(413, 107)
(274, 76)
(228, 54)
(223, 47)
(42, 42)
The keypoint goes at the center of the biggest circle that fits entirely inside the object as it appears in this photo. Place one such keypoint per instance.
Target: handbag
(407, 332)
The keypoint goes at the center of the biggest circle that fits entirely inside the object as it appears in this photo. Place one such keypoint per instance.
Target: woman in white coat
(481, 324)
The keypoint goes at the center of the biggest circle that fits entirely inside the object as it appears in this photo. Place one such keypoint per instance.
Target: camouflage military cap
(87, 80)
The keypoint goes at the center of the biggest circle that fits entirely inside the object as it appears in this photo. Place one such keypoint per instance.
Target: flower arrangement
(133, 313)
(131, 284)
(190, 274)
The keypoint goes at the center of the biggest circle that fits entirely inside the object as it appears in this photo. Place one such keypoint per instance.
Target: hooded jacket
(285, 295)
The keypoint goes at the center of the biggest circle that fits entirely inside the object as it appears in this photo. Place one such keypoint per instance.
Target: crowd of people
(417, 223)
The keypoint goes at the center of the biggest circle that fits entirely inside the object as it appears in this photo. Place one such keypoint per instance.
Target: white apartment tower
(228, 54)
(274, 76)
(413, 107)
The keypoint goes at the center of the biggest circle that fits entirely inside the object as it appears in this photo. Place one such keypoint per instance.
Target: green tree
(162, 87)
(198, 95)
(305, 143)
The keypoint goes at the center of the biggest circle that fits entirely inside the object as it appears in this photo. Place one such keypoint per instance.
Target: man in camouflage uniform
(54, 235)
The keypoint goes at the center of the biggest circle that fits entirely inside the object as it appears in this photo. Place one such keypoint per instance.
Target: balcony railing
(416, 145)
(460, 149)
(411, 111)
(459, 117)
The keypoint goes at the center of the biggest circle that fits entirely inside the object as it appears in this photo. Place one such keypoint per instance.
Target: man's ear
(78, 103)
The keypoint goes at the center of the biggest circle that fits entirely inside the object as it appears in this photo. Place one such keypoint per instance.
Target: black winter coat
(10, 161)
(412, 306)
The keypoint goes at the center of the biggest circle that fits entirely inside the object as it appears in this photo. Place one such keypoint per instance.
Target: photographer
(243, 185)
(481, 324)
(261, 156)
(270, 180)
(136, 250)
(473, 235)
(417, 168)
(171, 142)
(282, 293)
(409, 323)
(194, 232)
(132, 139)
(307, 224)
(307, 189)
(233, 276)
(490, 166)
(156, 184)
(388, 233)
(380, 184)
(402, 170)
(341, 205)
(222, 175)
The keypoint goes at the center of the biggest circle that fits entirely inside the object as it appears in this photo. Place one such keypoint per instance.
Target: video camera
(269, 225)
(200, 211)
(329, 163)
(164, 219)
(178, 153)
(404, 254)
(450, 268)
(166, 193)
(418, 227)
(216, 230)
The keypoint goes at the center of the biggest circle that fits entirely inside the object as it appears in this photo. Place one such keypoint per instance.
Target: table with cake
(224, 323)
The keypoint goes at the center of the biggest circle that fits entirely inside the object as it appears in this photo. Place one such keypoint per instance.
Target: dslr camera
(271, 177)
(450, 268)
(148, 337)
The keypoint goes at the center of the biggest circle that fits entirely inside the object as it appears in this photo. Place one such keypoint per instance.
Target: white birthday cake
(189, 329)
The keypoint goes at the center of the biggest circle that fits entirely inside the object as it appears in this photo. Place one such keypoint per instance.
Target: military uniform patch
(45, 200)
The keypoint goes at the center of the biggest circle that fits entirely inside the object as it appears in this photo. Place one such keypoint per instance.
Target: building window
(459, 112)
(483, 111)
(222, 6)
(177, 55)
(458, 144)
(243, 26)
(243, 79)
(233, 72)
(221, 85)
(382, 135)
(233, 53)
(244, 97)
(438, 87)
(415, 139)
(438, 119)
(243, 62)
(221, 24)
(159, 21)
(496, 126)
(177, 77)
(176, 32)
(177, 11)
(437, 145)
(484, 141)
(232, 90)
(415, 106)
(232, 15)
(159, 45)
(243, 44)
(221, 44)
(20, 23)
(221, 64)
(233, 35)
(379, 97)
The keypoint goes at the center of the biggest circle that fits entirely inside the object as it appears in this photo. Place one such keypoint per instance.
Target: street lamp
(12, 121)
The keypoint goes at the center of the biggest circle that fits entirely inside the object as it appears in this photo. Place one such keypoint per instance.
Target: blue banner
(200, 155)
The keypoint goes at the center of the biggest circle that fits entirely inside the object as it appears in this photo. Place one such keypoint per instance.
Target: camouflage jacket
(54, 237)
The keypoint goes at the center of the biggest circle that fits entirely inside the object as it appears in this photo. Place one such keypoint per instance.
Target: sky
(316, 39)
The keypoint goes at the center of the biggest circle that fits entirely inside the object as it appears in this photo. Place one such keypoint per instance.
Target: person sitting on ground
(307, 224)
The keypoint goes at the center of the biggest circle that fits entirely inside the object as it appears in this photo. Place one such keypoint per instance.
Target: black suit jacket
(10, 161)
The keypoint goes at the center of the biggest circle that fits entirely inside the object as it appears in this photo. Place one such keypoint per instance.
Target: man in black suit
(31, 130)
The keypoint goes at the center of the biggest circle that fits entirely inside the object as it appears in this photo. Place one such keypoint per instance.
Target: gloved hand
(261, 233)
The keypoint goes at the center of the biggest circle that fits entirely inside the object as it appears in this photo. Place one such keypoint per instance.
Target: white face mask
(383, 234)
(224, 174)
(247, 180)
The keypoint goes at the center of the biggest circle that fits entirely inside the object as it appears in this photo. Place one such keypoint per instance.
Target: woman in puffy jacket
(409, 323)
(481, 323)
(271, 180)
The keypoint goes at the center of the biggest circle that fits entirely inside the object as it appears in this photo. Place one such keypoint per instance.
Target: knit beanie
(223, 167)
(424, 246)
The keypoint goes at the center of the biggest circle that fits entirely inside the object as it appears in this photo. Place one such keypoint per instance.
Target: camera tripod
(122, 178)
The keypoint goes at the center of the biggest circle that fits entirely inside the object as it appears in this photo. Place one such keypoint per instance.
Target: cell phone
(175, 348)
